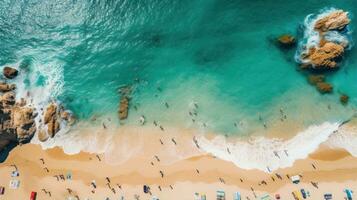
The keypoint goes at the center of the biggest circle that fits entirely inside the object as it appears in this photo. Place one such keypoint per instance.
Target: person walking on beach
(174, 141)
(98, 157)
(313, 166)
(196, 142)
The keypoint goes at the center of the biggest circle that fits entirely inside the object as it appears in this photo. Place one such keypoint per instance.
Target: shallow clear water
(219, 54)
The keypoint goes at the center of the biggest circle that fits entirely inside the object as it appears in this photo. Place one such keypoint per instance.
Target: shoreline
(119, 144)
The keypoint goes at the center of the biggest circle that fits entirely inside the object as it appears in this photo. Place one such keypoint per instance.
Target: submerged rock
(123, 108)
(344, 99)
(10, 72)
(324, 87)
(124, 102)
(314, 79)
(319, 82)
(286, 40)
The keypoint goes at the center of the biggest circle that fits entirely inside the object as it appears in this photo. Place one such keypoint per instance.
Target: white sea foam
(269, 154)
(346, 138)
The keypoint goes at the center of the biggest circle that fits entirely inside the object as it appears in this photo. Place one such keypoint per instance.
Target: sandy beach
(335, 171)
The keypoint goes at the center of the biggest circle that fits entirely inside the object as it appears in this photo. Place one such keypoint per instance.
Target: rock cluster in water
(326, 54)
(326, 39)
(18, 118)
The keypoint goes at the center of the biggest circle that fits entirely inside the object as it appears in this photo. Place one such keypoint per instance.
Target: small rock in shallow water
(344, 99)
(10, 72)
(324, 87)
(286, 40)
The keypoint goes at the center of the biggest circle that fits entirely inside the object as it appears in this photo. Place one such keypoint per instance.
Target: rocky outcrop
(53, 117)
(24, 123)
(10, 72)
(4, 87)
(325, 57)
(336, 20)
(124, 102)
(286, 40)
(326, 54)
(17, 121)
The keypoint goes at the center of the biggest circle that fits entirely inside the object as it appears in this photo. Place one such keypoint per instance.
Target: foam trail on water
(269, 154)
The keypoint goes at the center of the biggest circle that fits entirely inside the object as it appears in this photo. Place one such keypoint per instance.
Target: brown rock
(324, 87)
(314, 79)
(286, 40)
(24, 123)
(8, 99)
(42, 136)
(67, 116)
(10, 72)
(124, 102)
(344, 99)
(326, 56)
(336, 20)
(123, 108)
(50, 113)
(53, 127)
(4, 87)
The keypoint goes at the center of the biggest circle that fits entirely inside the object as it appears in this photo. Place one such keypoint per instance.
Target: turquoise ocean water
(219, 54)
